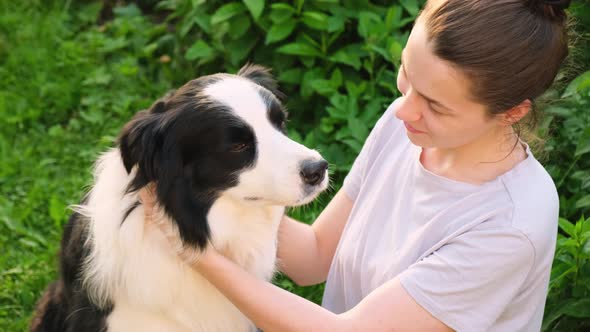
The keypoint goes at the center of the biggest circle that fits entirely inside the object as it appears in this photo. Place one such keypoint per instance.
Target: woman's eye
(239, 147)
(434, 111)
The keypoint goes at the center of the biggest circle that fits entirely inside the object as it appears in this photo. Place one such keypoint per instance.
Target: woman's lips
(412, 129)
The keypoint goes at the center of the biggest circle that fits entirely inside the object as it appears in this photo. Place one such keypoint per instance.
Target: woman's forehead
(431, 75)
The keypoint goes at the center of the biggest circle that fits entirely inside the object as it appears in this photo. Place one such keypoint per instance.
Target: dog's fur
(224, 171)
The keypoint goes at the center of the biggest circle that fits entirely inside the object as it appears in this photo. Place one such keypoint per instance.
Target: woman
(446, 220)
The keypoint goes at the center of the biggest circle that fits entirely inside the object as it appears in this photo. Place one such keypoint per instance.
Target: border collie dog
(224, 171)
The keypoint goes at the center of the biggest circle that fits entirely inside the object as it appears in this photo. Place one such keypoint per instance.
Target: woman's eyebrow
(429, 100)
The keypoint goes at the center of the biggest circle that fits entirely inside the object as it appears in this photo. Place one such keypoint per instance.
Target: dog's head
(219, 135)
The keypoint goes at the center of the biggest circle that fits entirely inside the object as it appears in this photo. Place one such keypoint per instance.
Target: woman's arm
(388, 308)
(305, 252)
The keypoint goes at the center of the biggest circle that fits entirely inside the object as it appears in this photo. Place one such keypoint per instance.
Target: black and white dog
(224, 171)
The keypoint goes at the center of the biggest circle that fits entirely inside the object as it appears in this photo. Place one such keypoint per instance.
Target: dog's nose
(313, 172)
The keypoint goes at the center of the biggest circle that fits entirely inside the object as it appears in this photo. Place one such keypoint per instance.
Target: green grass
(63, 97)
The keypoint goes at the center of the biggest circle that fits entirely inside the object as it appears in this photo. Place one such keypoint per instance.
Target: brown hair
(511, 50)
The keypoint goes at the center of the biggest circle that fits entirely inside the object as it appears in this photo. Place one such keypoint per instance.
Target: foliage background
(73, 72)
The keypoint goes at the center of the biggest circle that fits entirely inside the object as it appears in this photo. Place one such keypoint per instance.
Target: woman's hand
(154, 219)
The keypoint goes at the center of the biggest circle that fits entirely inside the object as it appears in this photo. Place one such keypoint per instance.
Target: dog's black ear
(136, 138)
(160, 105)
(149, 143)
(139, 143)
(261, 76)
(189, 210)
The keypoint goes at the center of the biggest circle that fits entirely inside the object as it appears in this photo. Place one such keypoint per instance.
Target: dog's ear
(261, 76)
(176, 194)
(189, 210)
(139, 143)
(144, 144)
(140, 137)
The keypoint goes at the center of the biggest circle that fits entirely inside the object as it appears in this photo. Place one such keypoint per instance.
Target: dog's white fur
(134, 266)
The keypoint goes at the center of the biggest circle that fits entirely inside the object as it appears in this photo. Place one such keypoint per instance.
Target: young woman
(446, 220)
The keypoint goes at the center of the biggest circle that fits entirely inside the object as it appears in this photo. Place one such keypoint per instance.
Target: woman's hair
(511, 50)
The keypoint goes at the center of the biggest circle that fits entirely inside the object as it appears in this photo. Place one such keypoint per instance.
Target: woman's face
(436, 105)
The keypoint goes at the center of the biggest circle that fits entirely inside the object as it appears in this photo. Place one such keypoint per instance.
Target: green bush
(74, 73)
(335, 60)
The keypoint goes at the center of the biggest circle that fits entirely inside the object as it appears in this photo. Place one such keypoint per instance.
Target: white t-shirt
(477, 257)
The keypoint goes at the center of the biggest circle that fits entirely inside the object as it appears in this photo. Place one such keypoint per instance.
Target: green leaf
(308, 77)
(280, 31)
(255, 7)
(355, 145)
(356, 90)
(323, 87)
(280, 12)
(579, 308)
(561, 270)
(349, 55)
(227, 11)
(299, 49)
(583, 202)
(368, 24)
(242, 48)
(583, 145)
(567, 226)
(560, 111)
(393, 18)
(578, 84)
(358, 129)
(128, 11)
(395, 52)
(308, 61)
(239, 26)
(335, 23)
(203, 22)
(336, 78)
(327, 125)
(411, 6)
(292, 76)
(380, 51)
(199, 50)
(315, 20)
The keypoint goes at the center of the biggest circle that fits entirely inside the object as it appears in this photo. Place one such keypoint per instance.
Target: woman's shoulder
(534, 199)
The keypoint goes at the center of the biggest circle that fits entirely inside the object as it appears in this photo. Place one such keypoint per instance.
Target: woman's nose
(407, 110)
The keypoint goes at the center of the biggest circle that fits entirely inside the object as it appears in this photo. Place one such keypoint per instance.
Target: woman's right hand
(154, 218)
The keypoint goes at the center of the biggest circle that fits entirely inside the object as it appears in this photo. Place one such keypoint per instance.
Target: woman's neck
(478, 162)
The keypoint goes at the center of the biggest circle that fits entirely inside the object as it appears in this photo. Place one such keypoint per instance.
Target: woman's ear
(517, 112)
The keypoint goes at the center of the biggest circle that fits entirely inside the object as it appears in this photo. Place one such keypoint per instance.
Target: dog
(224, 171)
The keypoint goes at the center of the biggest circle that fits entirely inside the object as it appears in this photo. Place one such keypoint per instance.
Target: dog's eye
(239, 147)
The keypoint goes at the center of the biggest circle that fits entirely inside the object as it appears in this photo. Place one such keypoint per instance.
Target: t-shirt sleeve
(468, 282)
(353, 180)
